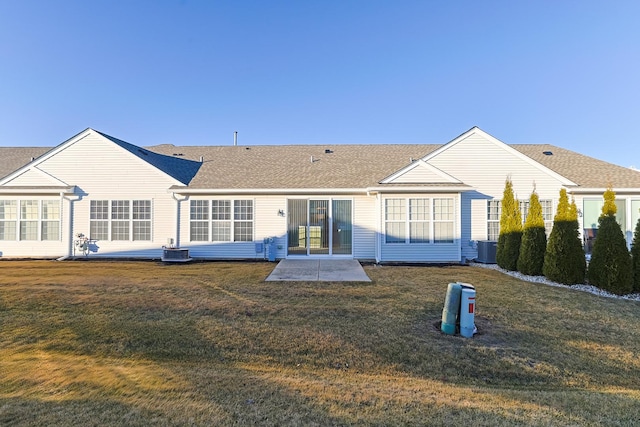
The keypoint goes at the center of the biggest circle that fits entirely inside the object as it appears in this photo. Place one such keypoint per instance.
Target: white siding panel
(364, 227)
(485, 166)
(34, 178)
(417, 175)
(105, 171)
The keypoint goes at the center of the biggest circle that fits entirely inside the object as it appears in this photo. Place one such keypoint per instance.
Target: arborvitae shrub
(610, 265)
(534, 240)
(635, 258)
(510, 236)
(564, 260)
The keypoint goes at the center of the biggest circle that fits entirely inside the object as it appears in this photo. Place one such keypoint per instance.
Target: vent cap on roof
(548, 153)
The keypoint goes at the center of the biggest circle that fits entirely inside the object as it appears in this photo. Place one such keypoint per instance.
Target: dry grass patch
(141, 343)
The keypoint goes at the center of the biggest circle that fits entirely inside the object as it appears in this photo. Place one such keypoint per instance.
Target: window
(222, 225)
(8, 219)
(50, 226)
(28, 220)
(494, 210)
(427, 220)
(199, 220)
(120, 220)
(419, 221)
(395, 218)
(547, 214)
(99, 220)
(443, 220)
(493, 219)
(221, 220)
(142, 220)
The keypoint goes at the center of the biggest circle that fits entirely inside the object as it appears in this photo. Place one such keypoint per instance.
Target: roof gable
(33, 176)
(421, 172)
(479, 134)
(180, 170)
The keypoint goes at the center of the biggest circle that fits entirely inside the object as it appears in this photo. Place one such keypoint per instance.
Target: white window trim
(130, 220)
(231, 221)
(407, 221)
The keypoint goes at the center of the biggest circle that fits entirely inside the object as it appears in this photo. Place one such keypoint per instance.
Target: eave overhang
(54, 189)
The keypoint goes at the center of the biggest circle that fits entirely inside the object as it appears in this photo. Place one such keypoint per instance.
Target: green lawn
(141, 343)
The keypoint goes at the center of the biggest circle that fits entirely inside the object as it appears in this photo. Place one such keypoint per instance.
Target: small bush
(534, 240)
(510, 236)
(610, 266)
(635, 258)
(564, 259)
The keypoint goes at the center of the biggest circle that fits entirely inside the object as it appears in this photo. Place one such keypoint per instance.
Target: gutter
(367, 190)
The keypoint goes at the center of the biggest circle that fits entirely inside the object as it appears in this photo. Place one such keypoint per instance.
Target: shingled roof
(325, 166)
(13, 158)
(586, 171)
(296, 166)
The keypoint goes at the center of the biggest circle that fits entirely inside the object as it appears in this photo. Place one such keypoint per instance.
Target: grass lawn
(141, 343)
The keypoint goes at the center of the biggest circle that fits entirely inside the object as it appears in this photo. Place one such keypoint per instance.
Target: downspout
(379, 228)
(70, 236)
(173, 195)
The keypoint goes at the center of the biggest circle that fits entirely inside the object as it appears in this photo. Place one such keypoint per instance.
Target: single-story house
(383, 203)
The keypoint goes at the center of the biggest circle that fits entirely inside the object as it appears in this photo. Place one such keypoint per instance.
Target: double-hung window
(30, 219)
(419, 220)
(8, 219)
(221, 220)
(494, 211)
(120, 220)
(50, 225)
(29, 213)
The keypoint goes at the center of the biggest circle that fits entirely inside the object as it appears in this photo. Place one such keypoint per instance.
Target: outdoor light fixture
(280, 212)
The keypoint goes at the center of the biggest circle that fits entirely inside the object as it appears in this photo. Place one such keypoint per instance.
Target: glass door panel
(297, 227)
(318, 227)
(342, 228)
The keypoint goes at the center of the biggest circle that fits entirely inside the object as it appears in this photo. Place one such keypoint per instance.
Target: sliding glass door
(319, 227)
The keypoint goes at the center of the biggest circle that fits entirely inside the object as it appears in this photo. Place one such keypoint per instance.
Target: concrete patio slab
(324, 270)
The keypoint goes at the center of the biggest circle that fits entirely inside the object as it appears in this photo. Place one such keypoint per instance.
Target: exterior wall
(38, 248)
(485, 166)
(103, 171)
(421, 252)
(268, 222)
(365, 227)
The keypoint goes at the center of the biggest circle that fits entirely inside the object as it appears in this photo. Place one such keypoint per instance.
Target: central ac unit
(487, 251)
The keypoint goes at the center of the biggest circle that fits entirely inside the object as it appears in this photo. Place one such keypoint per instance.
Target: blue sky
(323, 72)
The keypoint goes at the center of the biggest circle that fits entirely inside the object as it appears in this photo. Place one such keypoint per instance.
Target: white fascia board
(600, 191)
(421, 163)
(268, 191)
(421, 189)
(258, 191)
(38, 190)
(506, 147)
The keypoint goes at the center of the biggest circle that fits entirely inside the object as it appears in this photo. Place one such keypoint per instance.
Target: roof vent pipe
(235, 138)
(201, 159)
